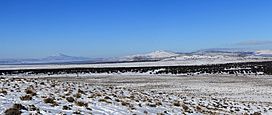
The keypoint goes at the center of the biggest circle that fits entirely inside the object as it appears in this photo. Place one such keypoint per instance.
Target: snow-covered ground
(198, 60)
(137, 94)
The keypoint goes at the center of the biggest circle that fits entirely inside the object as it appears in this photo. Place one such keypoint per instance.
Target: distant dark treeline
(230, 68)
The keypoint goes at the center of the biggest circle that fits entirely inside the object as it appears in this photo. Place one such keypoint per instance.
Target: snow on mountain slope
(194, 57)
(202, 56)
(264, 52)
(161, 54)
(156, 55)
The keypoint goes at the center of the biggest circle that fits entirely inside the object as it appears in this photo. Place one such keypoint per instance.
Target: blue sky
(109, 28)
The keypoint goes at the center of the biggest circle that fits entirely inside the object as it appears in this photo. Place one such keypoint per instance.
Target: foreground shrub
(3, 92)
(30, 91)
(81, 104)
(51, 101)
(26, 97)
(15, 110)
(70, 99)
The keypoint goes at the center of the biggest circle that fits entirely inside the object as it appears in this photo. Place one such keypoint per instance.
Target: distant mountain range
(155, 56)
(204, 55)
(60, 58)
(207, 53)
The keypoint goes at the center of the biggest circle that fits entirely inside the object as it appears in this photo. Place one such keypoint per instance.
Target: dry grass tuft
(81, 92)
(15, 110)
(30, 91)
(70, 99)
(185, 108)
(94, 95)
(124, 103)
(77, 95)
(19, 106)
(66, 108)
(26, 97)
(198, 108)
(177, 103)
(51, 101)
(107, 97)
(104, 100)
(33, 108)
(77, 112)
(3, 92)
(152, 105)
(81, 104)
(158, 103)
(256, 113)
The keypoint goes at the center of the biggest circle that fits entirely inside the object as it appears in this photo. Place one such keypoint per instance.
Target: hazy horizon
(139, 53)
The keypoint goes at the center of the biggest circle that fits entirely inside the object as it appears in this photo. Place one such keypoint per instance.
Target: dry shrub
(42, 83)
(256, 113)
(158, 103)
(15, 110)
(245, 114)
(30, 91)
(185, 108)
(26, 97)
(81, 92)
(160, 114)
(177, 103)
(94, 95)
(132, 97)
(19, 106)
(145, 112)
(51, 101)
(81, 104)
(43, 96)
(124, 103)
(198, 108)
(3, 92)
(62, 96)
(77, 95)
(70, 99)
(151, 105)
(66, 108)
(90, 109)
(104, 100)
(77, 112)
(107, 97)
(117, 100)
(33, 108)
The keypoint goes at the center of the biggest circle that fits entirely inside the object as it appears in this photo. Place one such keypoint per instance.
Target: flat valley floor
(142, 94)
(239, 88)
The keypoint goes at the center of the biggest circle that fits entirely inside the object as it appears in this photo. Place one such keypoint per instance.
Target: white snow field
(137, 94)
(175, 61)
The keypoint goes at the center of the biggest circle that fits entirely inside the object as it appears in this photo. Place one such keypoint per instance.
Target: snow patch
(264, 52)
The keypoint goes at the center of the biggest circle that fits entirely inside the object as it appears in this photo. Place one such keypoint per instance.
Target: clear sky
(109, 28)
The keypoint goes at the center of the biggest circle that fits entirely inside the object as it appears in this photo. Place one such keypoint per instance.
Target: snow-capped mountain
(225, 52)
(156, 55)
(161, 54)
(201, 56)
(264, 53)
